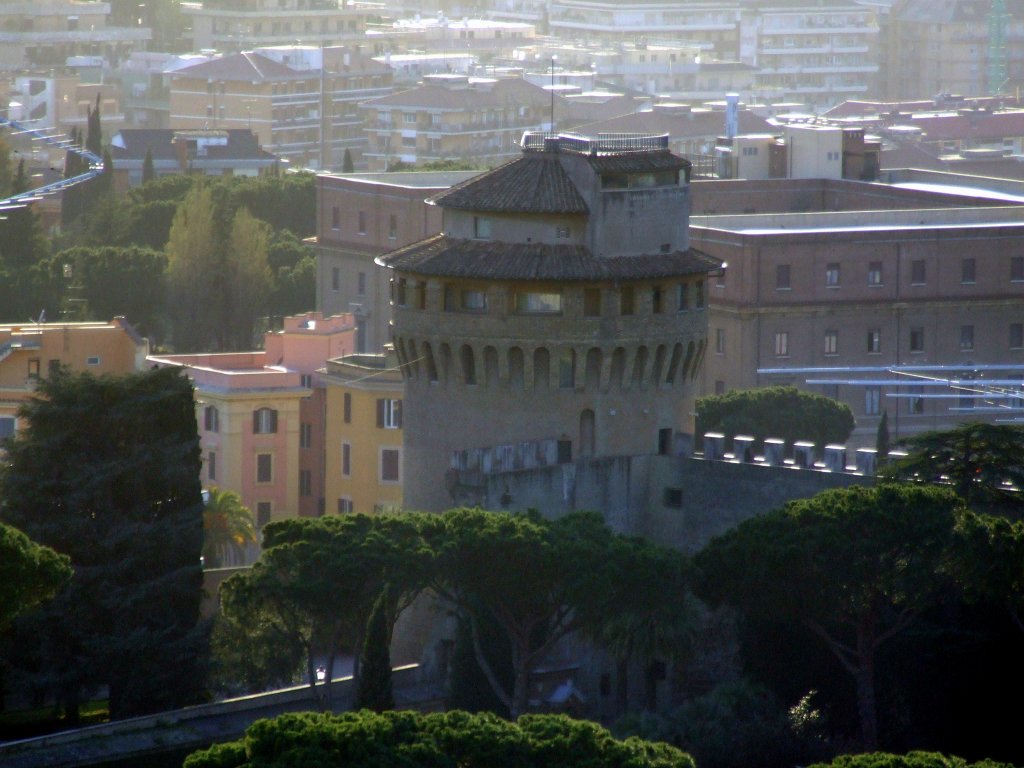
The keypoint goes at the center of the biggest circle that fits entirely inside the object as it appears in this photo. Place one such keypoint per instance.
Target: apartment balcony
(63, 37)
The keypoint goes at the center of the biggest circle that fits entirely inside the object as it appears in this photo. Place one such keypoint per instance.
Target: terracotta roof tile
(492, 260)
(533, 183)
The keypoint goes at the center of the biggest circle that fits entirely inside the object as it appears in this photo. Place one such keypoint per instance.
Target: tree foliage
(909, 760)
(193, 272)
(854, 566)
(976, 460)
(29, 573)
(538, 580)
(107, 474)
(786, 413)
(736, 725)
(374, 691)
(317, 580)
(368, 740)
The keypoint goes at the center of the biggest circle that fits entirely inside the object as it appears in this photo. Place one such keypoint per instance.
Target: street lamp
(553, 58)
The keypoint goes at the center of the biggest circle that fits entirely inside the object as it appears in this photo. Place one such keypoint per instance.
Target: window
(481, 228)
(33, 368)
(538, 303)
(917, 339)
(683, 296)
(1017, 269)
(305, 435)
(719, 387)
(346, 460)
(409, 118)
(1016, 335)
(94, 360)
(306, 380)
(782, 277)
(872, 400)
(389, 413)
(211, 465)
(305, 482)
(335, 218)
(211, 419)
(562, 232)
(874, 341)
(564, 448)
(966, 338)
(875, 273)
(915, 403)
(465, 299)
(262, 513)
(392, 227)
(626, 304)
(344, 506)
(362, 223)
(782, 344)
(720, 341)
(7, 425)
(698, 295)
(264, 421)
(656, 302)
(967, 270)
(335, 279)
(832, 276)
(361, 284)
(346, 407)
(831, 342)
(591, 302)
(264, 468)
(918, 274)
(390, 465)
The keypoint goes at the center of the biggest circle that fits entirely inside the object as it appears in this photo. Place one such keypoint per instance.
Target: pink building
(261, 415)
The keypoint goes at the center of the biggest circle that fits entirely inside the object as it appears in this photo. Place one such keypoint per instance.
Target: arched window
(428, 354)
(587, 433)
(618, 374)
(673, 365)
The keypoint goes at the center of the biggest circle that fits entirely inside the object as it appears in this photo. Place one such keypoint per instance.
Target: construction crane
(997, 20)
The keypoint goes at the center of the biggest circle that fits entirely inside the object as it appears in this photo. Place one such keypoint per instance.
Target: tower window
(481, 228)
(535, 302)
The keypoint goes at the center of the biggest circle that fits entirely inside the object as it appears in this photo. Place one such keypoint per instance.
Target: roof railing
(603, 143)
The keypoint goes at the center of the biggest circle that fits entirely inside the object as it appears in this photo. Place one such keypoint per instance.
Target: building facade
(45, 33)
(848, 300)
(454, 117)
(231, 26)
(561, 311)
(359, 217)
(29, 351)
(285, 98)
(261, 415)
(364, 433)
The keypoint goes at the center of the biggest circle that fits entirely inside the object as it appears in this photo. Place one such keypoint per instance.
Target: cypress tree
(148, 171)
(94, 136)
(346, 164)
(373, 690)
(882, 436)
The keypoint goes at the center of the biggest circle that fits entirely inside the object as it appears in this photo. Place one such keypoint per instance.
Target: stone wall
(677, 501)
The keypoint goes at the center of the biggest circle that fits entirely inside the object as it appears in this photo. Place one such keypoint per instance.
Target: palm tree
(227, 528)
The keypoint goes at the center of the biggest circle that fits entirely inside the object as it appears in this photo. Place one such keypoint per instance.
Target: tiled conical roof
(533, 183)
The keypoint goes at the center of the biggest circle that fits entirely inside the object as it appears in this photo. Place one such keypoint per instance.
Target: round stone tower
(559, 316)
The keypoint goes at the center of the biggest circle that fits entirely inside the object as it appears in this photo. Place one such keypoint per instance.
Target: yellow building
(31, 350)
(364, 433)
